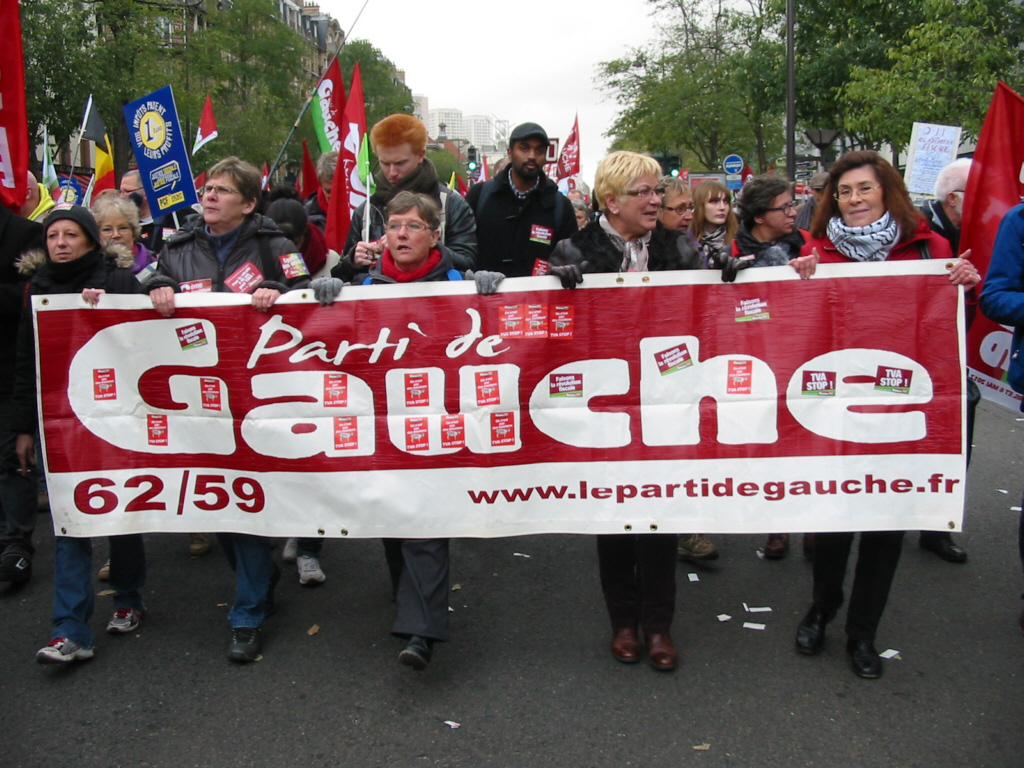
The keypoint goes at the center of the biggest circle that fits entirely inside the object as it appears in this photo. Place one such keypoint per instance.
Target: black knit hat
(79, 214)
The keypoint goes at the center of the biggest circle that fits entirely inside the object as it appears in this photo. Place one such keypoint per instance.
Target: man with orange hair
(400, 143)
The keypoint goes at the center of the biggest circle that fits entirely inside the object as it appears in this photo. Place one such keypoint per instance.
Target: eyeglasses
(412, 227)
(126, 192)
(209, 189)
(680, 209)
(862, 190)
(645, 192)
(787, 209)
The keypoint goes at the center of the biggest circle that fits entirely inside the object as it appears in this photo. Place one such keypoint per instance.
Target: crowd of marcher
(413, 228)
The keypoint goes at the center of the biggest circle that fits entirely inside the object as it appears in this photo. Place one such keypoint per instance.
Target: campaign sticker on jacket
(416, 437)
(752, 309)
(565, 385)
(739, 377)
(346, 433)
(893, 380)
(541, 234)
(510, 321)
(503, 428)
(209, 387)
(673, 359)
(156, 424)
(293, 265)
(191, 336)
(104, 387)
(417, 391)
(244, 279)
(335, 390)
(487, 392)
(536, 321)
(819, 383)
(540, 267)
(453, 431)
(196, 286)
(560, 322)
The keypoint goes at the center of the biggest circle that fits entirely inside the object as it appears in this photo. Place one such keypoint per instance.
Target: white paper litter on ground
(724, 617)
(519, 554)
(752, 625)
(1001, 490)
(759, 609)
(1015, 509)
(693, 577)
(745, 608)
(890, 654)
(452, 724)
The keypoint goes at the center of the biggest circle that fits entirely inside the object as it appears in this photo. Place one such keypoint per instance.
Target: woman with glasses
(118, 219)
(714, 224)
(865, 215)
(638, 571)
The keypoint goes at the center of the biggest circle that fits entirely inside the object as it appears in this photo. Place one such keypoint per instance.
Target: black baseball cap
(528, 131)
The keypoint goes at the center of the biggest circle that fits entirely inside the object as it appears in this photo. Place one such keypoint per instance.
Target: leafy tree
(446, 163)
(944, 72)
(383, 92)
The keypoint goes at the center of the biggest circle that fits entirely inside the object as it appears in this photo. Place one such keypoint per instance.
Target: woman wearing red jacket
(865, 215)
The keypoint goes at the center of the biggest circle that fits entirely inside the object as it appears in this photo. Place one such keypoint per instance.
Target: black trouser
(876, 565)
(638, 578)
(419, 581)
(18, 494)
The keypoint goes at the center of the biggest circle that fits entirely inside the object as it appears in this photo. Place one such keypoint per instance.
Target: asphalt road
(528, 675)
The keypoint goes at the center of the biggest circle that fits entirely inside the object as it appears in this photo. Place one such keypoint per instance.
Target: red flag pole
(13, 120)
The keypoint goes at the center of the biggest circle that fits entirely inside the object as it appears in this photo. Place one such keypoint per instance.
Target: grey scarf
(869, 243)
(634, 252)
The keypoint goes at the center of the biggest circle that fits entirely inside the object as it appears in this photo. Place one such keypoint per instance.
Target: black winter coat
(512, 233)
(17, 235)
(190, 256)
(668, 249)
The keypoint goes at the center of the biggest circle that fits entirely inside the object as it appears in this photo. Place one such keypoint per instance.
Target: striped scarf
(870, 243)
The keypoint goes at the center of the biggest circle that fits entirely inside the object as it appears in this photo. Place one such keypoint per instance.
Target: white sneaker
(290, 551)
(61, 651)
(309, 571)
(123, 621)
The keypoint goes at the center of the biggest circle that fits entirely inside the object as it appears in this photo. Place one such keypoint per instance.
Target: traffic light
(672, 165)
(471, 154)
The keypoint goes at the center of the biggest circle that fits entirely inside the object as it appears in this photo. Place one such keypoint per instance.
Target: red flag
(485, 171)
(569, 160)
(463, 189)
(995, 185)
(329, 109)
(347, 192)
(207, 126)
(200, 182)
(13, 120)
(310, 181)
(265, 179)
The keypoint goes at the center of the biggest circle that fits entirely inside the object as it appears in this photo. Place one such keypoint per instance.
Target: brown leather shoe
(661, 652)
(626, 646)
(776, 546)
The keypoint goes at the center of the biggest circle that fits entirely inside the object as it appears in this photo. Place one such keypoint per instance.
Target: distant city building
(421, 109)
(452, 119)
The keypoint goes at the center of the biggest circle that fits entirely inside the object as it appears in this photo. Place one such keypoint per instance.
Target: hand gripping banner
(662, 402)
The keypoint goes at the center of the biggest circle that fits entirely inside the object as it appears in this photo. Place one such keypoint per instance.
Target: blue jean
(310, 547)
(73, 593)
(250, 559)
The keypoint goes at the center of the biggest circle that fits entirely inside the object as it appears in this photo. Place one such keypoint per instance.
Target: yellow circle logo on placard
(153, 130)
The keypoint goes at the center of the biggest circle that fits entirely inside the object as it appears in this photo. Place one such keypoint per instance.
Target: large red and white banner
(639, 402)
(13, 127)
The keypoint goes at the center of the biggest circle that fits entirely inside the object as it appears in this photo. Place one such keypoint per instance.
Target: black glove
(570, 274)
(730, 267)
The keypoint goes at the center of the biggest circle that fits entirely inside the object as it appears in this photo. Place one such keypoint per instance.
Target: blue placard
(160, 152)
(733, 164)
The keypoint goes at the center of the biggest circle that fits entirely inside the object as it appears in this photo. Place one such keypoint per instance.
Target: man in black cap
(520, 214)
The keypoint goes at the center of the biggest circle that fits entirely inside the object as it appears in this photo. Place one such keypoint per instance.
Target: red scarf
(388, 268)
(321, 200)
(315, 253)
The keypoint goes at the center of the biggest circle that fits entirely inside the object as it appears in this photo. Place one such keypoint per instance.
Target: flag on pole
(995, 185)
(485, 171)
(199, 183)
(348, 191)
(329, 108)
(452, 183)
(49, 180)
(265, 178)
(94, 130)
(569, 160)
(13, 120)
(310, 181)
(207, 127)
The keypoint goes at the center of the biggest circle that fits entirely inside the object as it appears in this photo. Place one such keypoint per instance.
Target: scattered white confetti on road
(519, 554)
(760, 609)
(891, 654)
(752, 625)
(1015, 509)
(693, 577)
(1001, 490)
(452, 724)
(724, 617)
